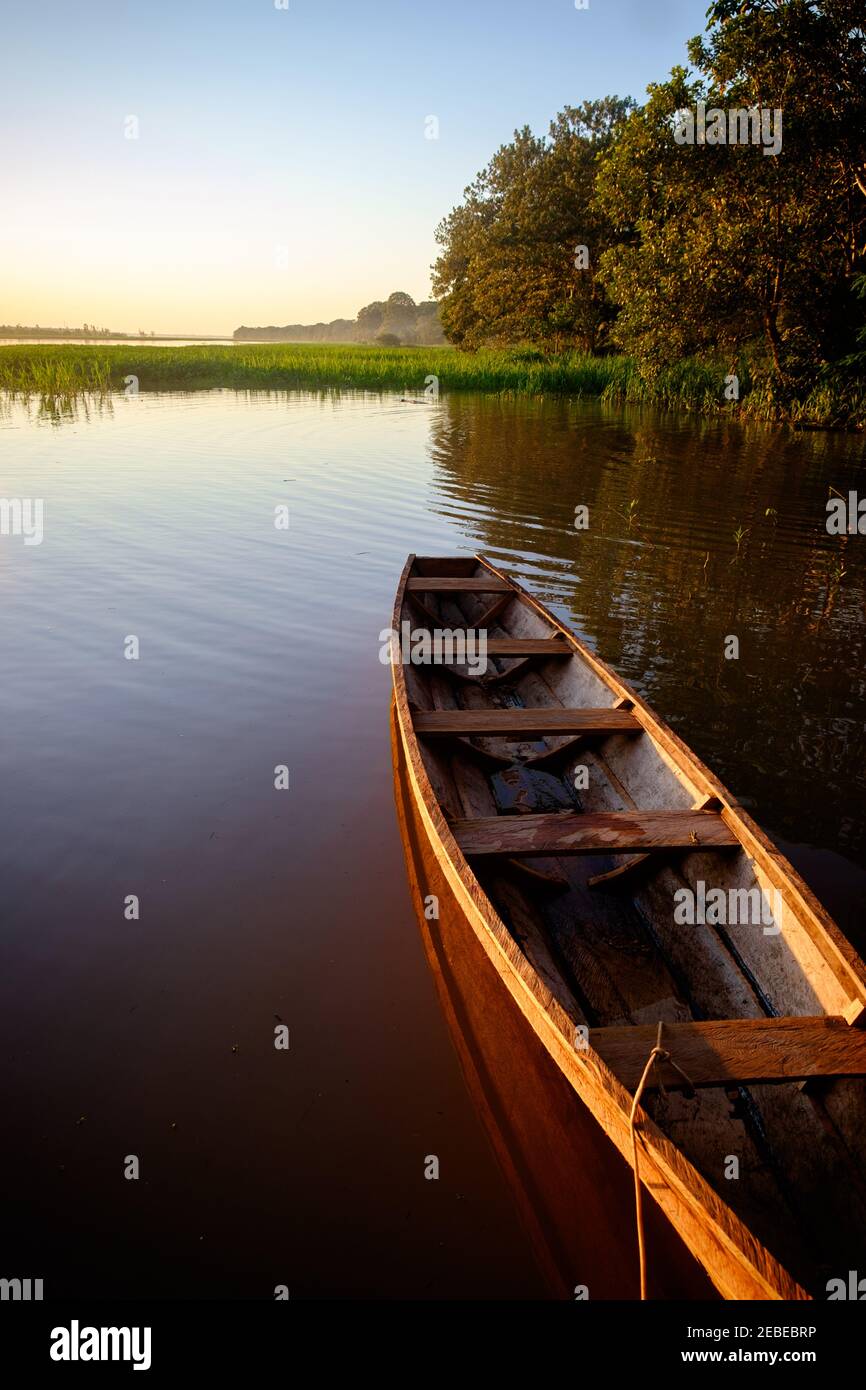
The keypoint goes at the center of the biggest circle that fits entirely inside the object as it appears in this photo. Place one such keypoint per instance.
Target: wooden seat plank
(629, 866)
(604, 832)
(525, 723)
(748, 1050)
(528, 646)
(452, 585)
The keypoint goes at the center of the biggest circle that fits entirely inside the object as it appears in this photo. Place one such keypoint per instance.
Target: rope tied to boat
(658, 1054)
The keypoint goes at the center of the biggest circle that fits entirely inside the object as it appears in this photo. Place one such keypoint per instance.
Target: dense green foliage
(511, 251)
(745, 259)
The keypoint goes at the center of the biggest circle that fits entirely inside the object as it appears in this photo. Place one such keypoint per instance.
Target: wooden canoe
(615, 884)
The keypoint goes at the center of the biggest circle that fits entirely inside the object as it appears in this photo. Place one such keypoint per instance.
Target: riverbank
(835, 401)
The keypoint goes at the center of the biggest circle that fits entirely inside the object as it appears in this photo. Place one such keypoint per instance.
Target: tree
(723, 246)
(370, 319)
(511, 266)
(428, 325)
(400, 316)
(812, 50)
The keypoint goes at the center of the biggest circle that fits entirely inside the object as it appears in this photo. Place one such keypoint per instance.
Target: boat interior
(595, 840)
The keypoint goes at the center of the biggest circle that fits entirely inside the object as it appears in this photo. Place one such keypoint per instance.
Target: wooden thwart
(527, 646)
(524, 723)
(747, 1050)
(458, 586)
(605, 832)
(630, 866)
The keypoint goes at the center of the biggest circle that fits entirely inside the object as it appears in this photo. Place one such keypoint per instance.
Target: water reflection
(699, 529)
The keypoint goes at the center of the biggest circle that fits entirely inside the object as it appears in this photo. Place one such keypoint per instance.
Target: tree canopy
(693, 248)
(510, 252)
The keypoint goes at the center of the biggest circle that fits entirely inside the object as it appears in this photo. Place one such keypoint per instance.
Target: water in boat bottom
(152, 1036)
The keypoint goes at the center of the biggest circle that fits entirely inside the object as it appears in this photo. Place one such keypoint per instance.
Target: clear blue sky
(281, 171)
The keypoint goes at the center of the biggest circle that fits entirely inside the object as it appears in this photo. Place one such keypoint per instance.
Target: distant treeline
(393, 322)
(724, 220)
(88, 330)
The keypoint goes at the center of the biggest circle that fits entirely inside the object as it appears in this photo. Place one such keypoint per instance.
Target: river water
(258, 648)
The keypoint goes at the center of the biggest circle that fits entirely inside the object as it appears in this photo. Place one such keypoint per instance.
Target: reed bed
(70, 370)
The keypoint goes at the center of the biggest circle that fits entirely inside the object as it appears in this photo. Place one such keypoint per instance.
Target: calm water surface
(119, 342)
(260, 647)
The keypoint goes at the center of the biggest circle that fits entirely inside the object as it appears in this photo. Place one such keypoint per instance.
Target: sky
(187, 166)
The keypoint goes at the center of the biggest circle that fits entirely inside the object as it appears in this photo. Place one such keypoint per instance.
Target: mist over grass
(74, 369)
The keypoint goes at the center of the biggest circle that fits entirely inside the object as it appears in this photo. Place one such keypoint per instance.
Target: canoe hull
(738, 1265)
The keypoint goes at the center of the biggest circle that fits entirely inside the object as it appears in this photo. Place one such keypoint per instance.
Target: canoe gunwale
(739, 1265)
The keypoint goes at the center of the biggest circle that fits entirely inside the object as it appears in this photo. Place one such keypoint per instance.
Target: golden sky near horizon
(282, 168)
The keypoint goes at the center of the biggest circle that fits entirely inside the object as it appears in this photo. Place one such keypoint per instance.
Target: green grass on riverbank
(67, 370)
